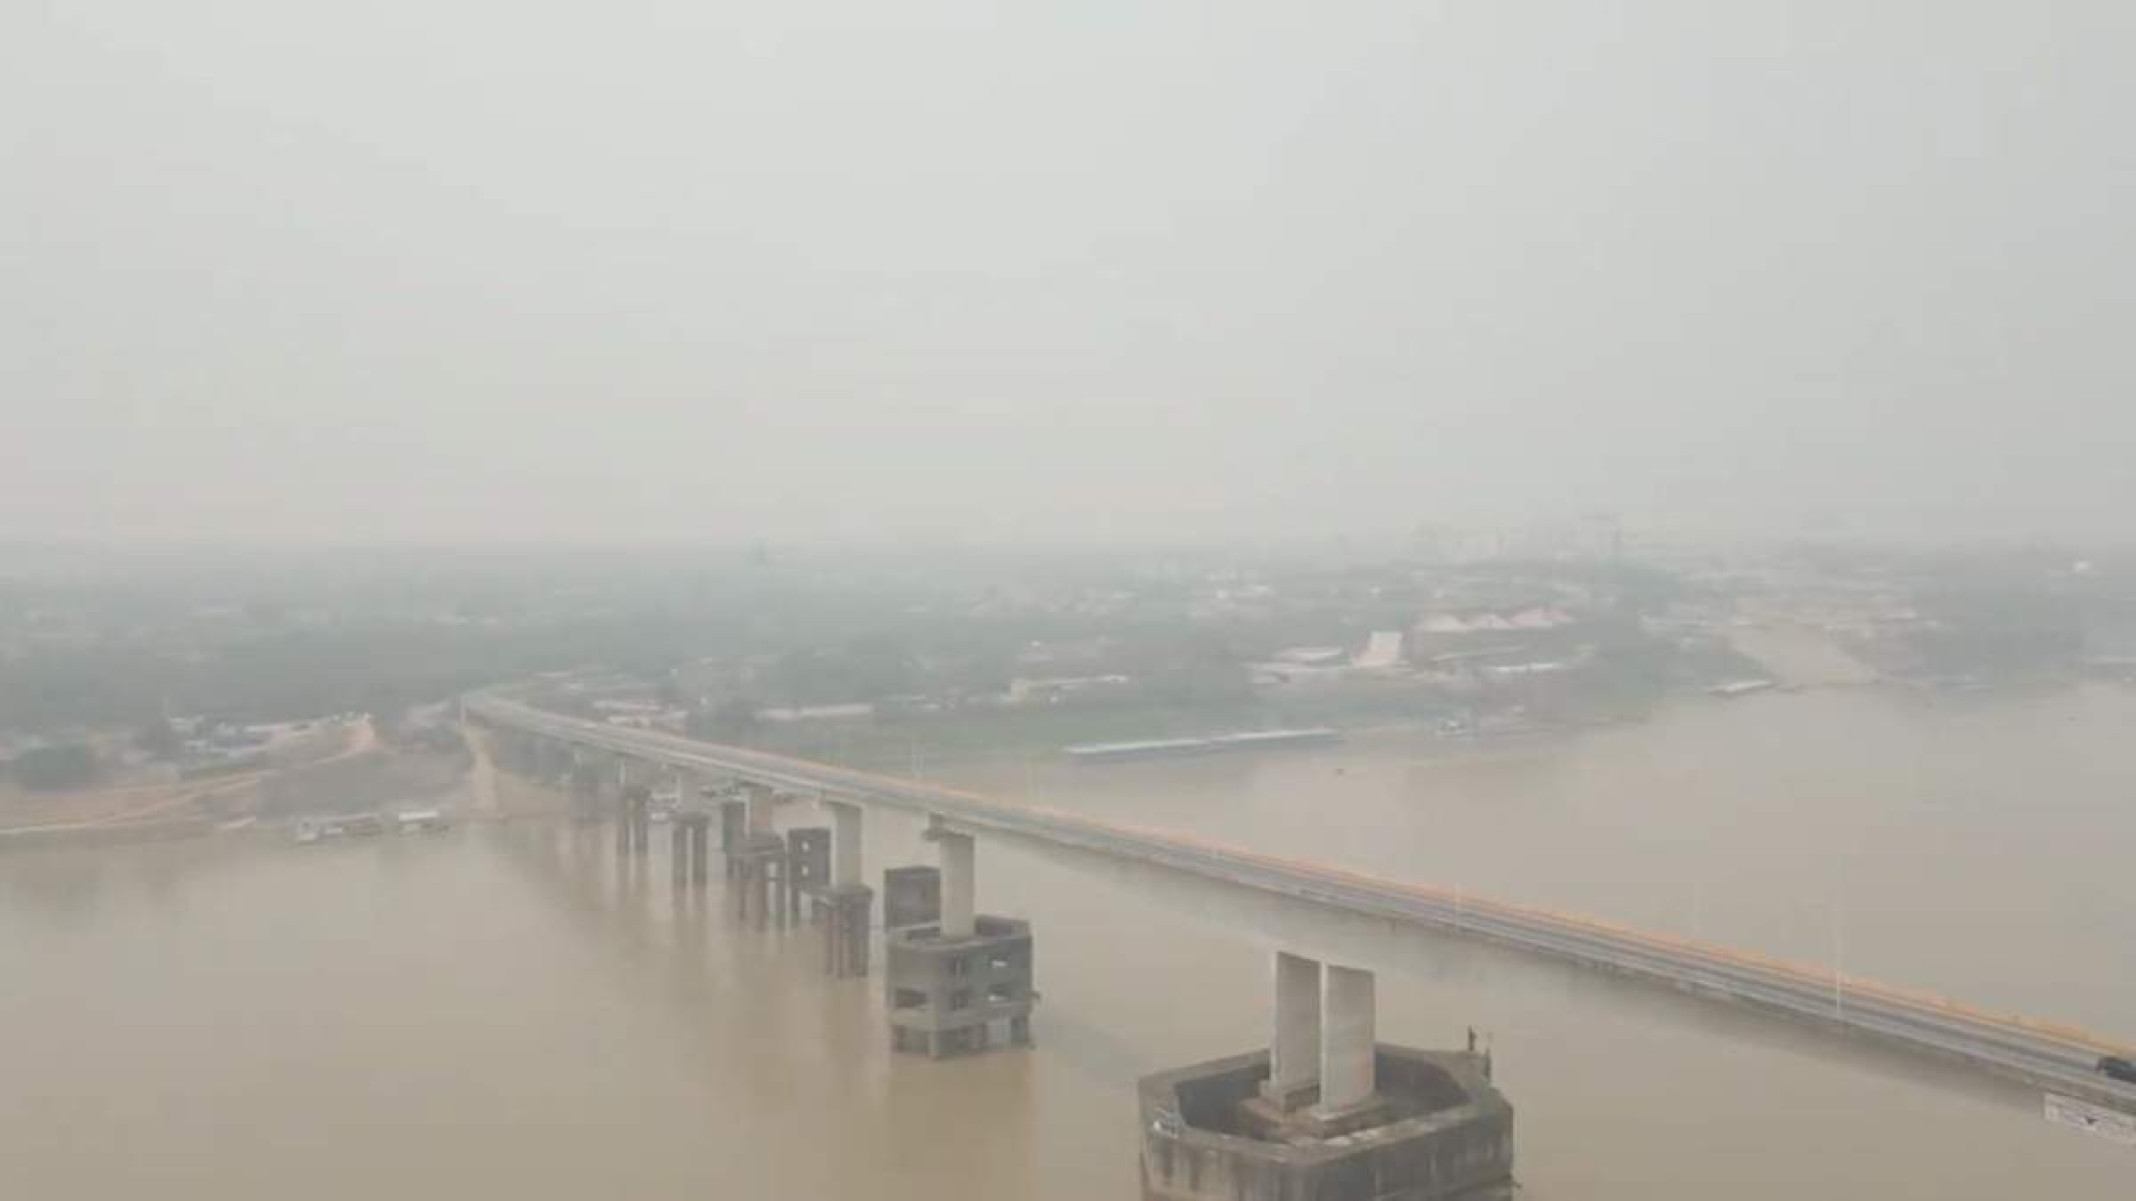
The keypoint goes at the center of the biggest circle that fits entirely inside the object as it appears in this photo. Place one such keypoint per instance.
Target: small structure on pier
(948, 995)
(912, 896)
(1327, 1112)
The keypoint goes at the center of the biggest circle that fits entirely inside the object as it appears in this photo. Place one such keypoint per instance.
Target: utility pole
(1839, 946)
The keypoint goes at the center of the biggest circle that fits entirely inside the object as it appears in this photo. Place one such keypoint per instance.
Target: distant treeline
(341, 636)
(302, 673)
(49, 768)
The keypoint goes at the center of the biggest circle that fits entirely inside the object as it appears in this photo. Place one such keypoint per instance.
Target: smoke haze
(647, 270)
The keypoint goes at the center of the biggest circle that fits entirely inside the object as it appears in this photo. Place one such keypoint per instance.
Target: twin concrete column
(1324, 1032)
(1347, 1037)
(1294, 1043)
(959, 885)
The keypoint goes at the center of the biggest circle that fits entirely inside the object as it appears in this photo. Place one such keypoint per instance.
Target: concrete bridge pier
(1322, 1036)
(689, 846)
(758, 859)
(763, 806)
(700, 827)
(585, 776)
(1327, 1111)
(952, 982)
(763, 881)
(634, 819)
(960, 883)
(733, 833)
(808, 867)
(1348, 1038)
(759, 862)
(1294, 1040)
(912, 896)
(845, 904)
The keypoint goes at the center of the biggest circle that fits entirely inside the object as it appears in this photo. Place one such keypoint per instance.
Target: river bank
(361, 774)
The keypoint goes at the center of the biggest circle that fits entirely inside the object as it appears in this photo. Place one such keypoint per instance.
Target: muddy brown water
(508, 1012)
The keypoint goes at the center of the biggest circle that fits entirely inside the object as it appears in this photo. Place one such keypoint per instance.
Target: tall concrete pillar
(700, 828)
(845, 844)
(760, 806)
(1294, 1041)
(1348, 1037)
(959, 886)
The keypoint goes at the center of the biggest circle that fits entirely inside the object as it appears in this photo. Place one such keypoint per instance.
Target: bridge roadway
(2055, 1057)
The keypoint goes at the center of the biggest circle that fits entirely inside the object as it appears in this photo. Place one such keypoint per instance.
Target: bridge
(2054, 1057)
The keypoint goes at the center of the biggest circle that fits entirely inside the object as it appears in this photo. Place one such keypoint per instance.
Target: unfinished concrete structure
(808, 865)
(948, 996)
(1327, 1113)
(843, 904)
(957, 978)
(634, 816)
(912, 896)
(759, 868)
(733, 832)
(689, 847)
(952, 983)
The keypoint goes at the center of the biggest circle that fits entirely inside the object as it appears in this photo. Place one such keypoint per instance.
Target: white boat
(421, 821)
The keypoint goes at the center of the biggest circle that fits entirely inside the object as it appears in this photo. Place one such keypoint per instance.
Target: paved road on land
(2052, 1056)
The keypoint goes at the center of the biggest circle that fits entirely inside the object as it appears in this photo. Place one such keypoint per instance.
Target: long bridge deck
(2049, 1055)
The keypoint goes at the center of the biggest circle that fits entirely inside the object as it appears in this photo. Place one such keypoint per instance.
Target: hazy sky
(448, 269)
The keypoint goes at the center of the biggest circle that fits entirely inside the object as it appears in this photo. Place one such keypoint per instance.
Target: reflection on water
(510, 1012)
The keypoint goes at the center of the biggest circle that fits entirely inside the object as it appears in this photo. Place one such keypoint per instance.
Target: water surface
(506, 1011)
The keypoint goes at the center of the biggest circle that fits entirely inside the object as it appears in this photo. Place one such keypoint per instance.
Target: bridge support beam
(845, 915)
(1294, 1041)
(700, 847)
(845, 844)
(1348, 1013)
(634, 820)
(845, 906)
(808, 867)
(759, 859)
(689, 847)
(959, 861)
(762, 881)
(762, 801)
(585, 774)
(1321, 1041)
(733, 833)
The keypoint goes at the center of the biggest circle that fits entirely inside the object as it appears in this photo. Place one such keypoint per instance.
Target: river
(505, 1011)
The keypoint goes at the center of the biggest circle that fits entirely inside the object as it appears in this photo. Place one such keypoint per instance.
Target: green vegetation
(51, 768)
